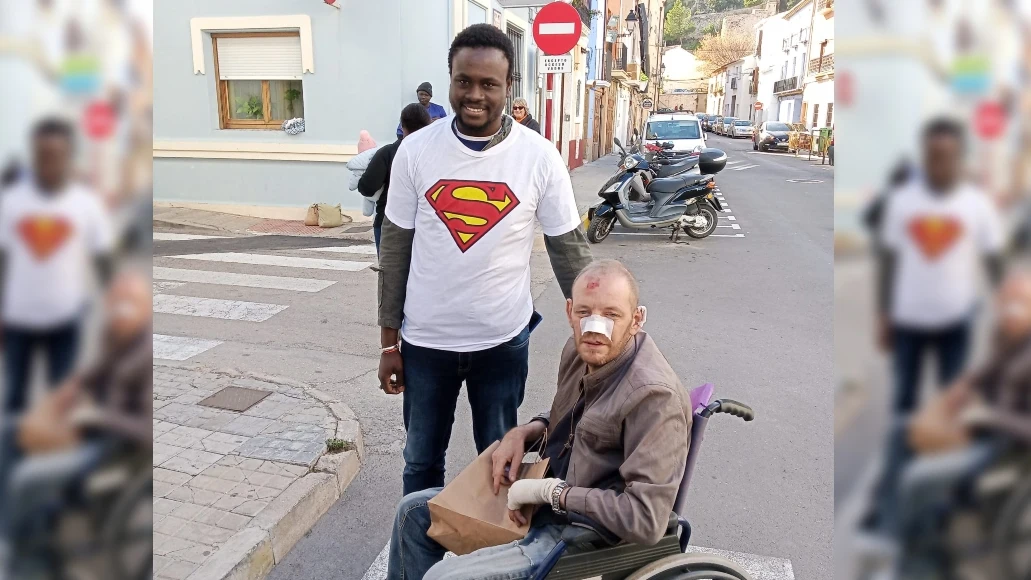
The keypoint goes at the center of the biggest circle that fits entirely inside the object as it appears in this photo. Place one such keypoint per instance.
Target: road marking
(162, 237)
(733, 162)
(215, 308)
(248, 280)
(283, 261)
(728, 217)
(556, 28)
(764, 567)
(181, 348)
(743, 167)
(735, 226)
(367, 250)
(162, 286)
(725, 235)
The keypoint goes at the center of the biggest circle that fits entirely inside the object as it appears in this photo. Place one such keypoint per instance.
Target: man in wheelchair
(939, 452)
(98, 415)
(617, 438)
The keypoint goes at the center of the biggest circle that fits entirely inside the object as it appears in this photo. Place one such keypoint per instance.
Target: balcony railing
(817, 67)
(785, 85)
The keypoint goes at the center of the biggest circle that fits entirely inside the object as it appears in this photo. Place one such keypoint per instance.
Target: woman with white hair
(521, 113)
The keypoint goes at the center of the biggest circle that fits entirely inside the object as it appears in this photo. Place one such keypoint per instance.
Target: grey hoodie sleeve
(395, 259)
(569, 255)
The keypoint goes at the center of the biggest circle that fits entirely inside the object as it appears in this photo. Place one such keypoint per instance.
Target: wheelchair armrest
(585, 532)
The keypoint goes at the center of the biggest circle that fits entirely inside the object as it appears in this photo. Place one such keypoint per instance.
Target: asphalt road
(750, 311)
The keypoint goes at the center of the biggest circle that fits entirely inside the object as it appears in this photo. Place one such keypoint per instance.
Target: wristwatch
(556, 495)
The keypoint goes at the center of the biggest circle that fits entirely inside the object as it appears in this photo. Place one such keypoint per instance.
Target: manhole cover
(236, 399)
(358, 229)
(805, 181)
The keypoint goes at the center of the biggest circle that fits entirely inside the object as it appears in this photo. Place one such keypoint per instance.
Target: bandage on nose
(596, 324)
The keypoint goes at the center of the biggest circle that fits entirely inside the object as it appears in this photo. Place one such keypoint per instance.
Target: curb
(251, 553)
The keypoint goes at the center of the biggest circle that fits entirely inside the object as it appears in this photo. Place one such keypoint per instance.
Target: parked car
(771, 135)
(682, 130)
(714, 122)
(726, 126)
(741, 128)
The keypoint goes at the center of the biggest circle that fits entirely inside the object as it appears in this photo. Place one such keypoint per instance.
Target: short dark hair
(54, 127)
(945, 127)
(414, 117)
(482, 36)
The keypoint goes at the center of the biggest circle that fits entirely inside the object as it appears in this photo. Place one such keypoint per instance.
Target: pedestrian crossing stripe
(246, 280)
(281, 261)
(167, 237)
(180, 348)
(366, 250)
(215, 308)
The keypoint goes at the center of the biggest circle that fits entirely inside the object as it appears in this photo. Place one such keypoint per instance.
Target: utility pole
(658, 47)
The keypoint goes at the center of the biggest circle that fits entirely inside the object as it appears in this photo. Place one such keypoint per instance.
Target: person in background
(466, 197)
(51, 231)
(425, 93)
(11, 173)
(377, 175)
(938, 234)
(521, 113)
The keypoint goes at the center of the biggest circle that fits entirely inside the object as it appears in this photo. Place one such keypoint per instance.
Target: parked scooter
(683, 201)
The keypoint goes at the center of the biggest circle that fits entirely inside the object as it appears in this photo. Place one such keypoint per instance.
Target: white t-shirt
(940, 243)
(474, 215)
(50, 243)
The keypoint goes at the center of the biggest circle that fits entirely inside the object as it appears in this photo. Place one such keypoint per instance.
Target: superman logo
(934, 235)
(470, 209)
(44, 235)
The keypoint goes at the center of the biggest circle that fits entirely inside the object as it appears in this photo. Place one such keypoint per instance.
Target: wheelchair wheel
(128, 531)
(691, 567)
(1013, 535)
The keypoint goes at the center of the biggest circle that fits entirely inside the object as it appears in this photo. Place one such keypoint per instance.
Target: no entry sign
(99, 120)
(556, 29)
(989, 120)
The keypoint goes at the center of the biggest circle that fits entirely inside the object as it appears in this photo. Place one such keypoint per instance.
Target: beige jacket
(631, 443)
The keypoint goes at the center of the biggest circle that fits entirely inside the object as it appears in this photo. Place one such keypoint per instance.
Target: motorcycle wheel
(699, 233)
(600, 229)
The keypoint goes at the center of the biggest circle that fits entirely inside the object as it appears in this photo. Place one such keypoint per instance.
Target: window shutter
(259, 58)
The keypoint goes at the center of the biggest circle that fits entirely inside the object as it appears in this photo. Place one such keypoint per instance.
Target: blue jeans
(61, 347)
(377, 231)
(495, 379)
(950, 346)
(414, 556)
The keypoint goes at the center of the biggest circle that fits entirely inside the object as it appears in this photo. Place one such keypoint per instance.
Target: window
(816, 116)
(759, 46)
(830, 114)
(476, 14)
(516, 36)
(259, 79)
(733, 105)
(794, 66)
(673, 130)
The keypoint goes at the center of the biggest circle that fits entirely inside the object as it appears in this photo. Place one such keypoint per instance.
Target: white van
(682, 130)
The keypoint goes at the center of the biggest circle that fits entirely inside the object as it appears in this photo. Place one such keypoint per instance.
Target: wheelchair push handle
(731, 407)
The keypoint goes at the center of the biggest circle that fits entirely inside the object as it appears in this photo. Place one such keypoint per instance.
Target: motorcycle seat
(674, 184)
(673, 168)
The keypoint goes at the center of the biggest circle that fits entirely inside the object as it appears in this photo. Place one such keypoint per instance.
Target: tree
(719, 51)
(754, 3)
(678, 19)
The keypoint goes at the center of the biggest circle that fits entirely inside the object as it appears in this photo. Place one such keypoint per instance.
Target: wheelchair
(587, 551)
(100, 525)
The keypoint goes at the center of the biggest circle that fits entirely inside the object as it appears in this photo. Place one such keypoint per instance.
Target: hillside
(704, 17)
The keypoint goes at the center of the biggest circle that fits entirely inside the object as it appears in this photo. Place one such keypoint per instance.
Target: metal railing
(824, 65)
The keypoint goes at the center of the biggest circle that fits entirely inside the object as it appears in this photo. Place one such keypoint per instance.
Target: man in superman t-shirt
(939, 234)
(467, 195)
(52, 233)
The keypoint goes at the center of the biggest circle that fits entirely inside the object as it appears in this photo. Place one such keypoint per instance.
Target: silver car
(741, 128)
(726, 126)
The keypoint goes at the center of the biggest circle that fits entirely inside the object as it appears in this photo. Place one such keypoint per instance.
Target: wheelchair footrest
(615, 563)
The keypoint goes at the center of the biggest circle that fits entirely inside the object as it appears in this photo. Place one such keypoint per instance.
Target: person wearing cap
(425, 93)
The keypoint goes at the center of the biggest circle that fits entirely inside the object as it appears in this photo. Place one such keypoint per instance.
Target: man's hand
(529, 492)
(391, 373)
(509, 455)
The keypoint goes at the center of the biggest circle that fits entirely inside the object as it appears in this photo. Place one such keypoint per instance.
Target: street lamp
(631, 20)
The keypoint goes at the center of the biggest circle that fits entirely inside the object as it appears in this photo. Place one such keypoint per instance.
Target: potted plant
(291, 95)
(250, 108)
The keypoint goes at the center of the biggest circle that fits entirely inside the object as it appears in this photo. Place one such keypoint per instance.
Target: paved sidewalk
(588, 179)
(198, 221)
(235, 490)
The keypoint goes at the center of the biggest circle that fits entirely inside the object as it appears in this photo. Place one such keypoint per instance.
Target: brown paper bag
(330, 216)
(466, 515)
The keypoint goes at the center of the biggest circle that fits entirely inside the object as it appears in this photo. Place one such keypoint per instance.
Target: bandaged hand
(531, 492)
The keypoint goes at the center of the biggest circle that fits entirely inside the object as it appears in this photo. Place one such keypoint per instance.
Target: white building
(818, 97)
(740, 90)
(782, 48)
